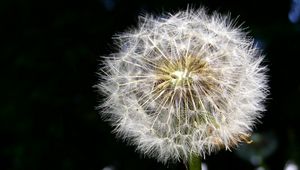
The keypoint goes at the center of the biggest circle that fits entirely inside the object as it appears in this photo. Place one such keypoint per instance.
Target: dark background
(49, 57)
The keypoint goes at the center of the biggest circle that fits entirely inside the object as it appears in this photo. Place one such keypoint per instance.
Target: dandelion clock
(183, 85)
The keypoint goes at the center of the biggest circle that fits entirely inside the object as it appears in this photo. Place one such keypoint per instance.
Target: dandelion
(183, 84)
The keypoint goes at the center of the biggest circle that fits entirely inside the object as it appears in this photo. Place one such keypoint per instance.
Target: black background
(49, 57)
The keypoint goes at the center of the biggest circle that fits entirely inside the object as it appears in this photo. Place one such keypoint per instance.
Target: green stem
(195, 162)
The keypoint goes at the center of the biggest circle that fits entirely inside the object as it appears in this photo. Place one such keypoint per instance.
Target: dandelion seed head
(182, 84)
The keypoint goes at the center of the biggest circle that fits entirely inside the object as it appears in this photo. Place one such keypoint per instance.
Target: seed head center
(180, 77)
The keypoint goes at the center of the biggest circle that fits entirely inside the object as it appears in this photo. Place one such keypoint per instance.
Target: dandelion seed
(182, 84)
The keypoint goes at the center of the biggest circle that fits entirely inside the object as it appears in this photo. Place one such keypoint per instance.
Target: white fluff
(182, 84)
